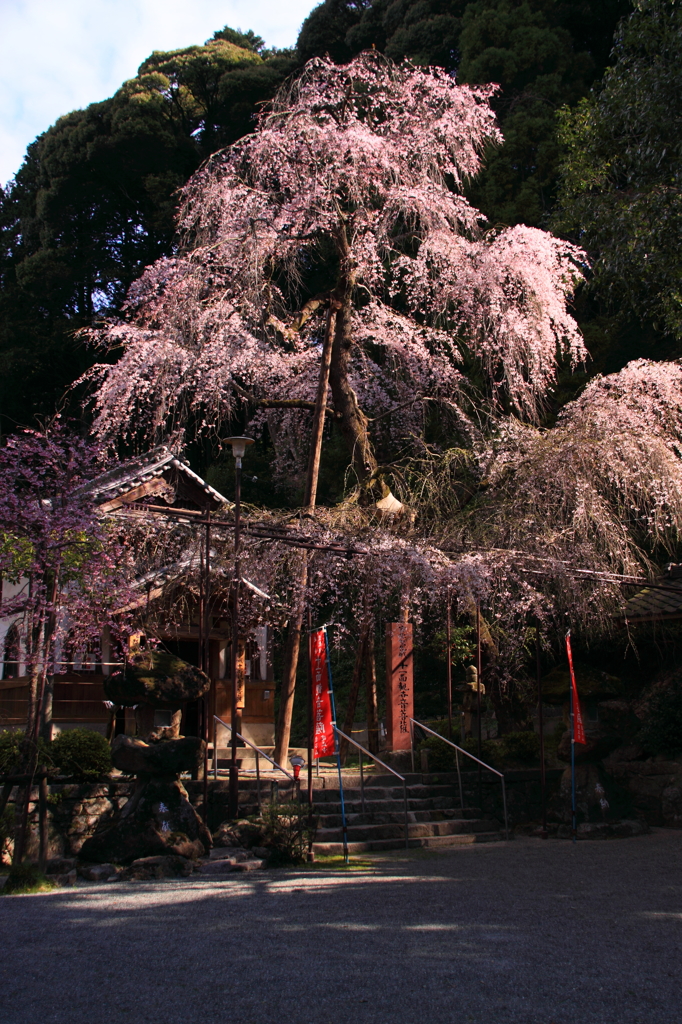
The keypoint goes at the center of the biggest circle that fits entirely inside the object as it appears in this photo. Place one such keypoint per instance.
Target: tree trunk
(286, 703)
(372, 706)
(354, 423)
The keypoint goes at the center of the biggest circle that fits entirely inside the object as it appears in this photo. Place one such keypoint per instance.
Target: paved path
(520, 933)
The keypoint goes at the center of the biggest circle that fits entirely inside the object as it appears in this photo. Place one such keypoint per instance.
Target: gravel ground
(512, 933)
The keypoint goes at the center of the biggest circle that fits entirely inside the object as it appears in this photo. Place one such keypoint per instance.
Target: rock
(170, 757)
(97, 872)
(156, 678)
(628, 752)
(224, 853)
(67, 879)
(624, 829)
(164, 866)
(600, 744)
(261, 852)
(238, 833)
(249, 865)
(598, 796)
(229, 864)
(158, 820)
(60, 865)
(594, 830)
(671, 805)
(617, 718)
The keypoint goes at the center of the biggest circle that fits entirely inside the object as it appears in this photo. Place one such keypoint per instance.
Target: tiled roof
(662, 601)
(160, 463)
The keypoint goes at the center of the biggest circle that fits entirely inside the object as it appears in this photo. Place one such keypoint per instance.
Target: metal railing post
(215, 749)
(504, 805)
(362, 786)
(392, 771)
(459, 779)
(482, 764)
(260, 808)
(412, 743)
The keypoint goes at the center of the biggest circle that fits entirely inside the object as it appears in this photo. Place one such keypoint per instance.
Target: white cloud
(59, 56)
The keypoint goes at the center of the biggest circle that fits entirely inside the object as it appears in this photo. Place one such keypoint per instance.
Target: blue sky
(58, 55)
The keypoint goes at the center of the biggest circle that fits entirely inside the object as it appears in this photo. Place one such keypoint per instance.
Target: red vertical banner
(323, 728)
(399, 684)
(578, 727)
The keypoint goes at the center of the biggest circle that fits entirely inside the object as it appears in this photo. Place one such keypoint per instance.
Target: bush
(81, 753)
(10, 755)
(662, 729)
(6, 831)
(286, 833)
(521, 746)
(10, 751)
(441, 756)
(26, 878)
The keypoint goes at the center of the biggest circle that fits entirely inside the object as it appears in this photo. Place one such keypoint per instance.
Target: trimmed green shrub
(10, 751)
(442, 756)
(521, 746)
(286, 833)
(81, 753)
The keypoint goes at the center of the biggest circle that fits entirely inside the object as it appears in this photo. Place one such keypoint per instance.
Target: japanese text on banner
(323, 729)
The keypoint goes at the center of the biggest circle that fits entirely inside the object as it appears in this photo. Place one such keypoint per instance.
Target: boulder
(158, 820)
(599, 797)
(155, 678)
(169, 757)
(617, 718)
(164, 866)
(600, 743)
(242, 833)
(97, 872)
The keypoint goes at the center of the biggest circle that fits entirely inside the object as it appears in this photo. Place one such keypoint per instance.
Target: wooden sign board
(399, 684)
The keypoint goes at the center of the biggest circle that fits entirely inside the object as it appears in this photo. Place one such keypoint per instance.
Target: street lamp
(239, 446)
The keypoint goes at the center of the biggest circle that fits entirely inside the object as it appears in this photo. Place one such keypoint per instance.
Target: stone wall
(655, 788)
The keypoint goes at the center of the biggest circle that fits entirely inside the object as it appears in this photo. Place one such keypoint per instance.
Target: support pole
(574, 803)
(448, 630)
(42, 820)
(478, 700)
(233, 793)
(541, 727)
(206, 658)
(311, 855)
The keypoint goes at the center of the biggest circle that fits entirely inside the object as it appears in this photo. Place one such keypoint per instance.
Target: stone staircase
(435, 818)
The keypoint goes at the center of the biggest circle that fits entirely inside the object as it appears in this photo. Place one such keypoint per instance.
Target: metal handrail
(253, 746)
(363, 750)
(461, 750)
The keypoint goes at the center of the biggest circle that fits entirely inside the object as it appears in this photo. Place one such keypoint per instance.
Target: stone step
(355, 806)
(417, 830)
(383, 817)
(424, 842)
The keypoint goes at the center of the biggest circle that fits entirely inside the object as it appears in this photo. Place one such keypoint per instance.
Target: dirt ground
(528, 932)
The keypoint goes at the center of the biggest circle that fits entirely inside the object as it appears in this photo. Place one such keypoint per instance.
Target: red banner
(578, 728)
(323, 730)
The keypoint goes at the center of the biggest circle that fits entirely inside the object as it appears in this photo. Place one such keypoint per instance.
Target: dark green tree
(542, 53)
(94, 202)
(622, 176)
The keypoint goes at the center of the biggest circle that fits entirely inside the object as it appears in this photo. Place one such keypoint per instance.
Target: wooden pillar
(399, 684)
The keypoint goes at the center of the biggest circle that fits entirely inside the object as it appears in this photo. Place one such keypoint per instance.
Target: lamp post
(239, 446)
